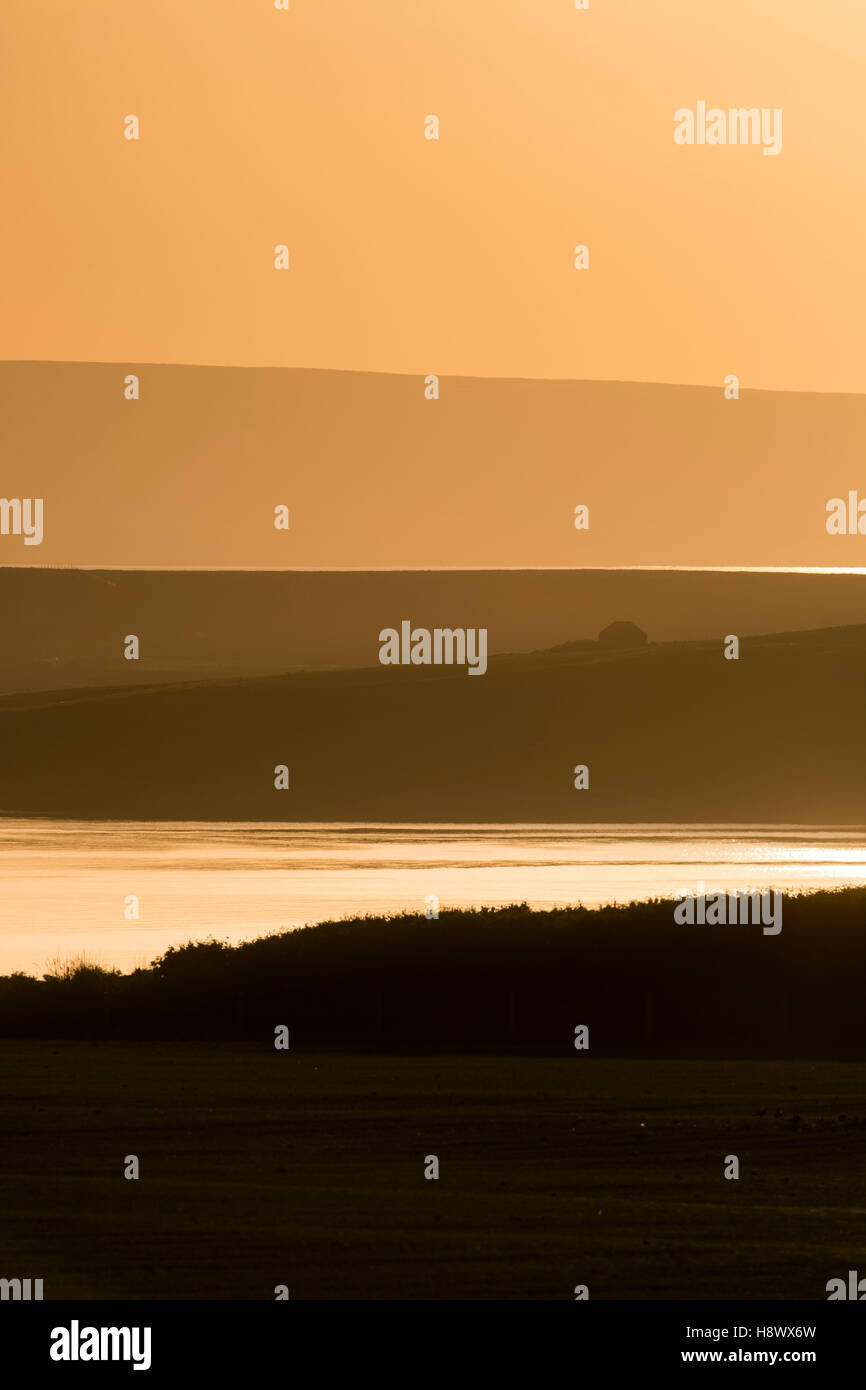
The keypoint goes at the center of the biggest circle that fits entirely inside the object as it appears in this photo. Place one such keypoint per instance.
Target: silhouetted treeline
(499, 980)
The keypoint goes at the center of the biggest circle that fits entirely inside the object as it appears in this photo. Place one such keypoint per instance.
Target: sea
(120, 893)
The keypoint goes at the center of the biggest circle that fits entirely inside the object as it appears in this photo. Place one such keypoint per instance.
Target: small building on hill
(622, 635)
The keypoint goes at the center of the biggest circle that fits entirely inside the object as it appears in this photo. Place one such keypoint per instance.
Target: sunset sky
(410, 256)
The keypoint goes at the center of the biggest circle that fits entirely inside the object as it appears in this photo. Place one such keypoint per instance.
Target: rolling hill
(670, 732)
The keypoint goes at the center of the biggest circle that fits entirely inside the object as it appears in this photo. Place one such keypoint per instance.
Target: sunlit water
(65, 884)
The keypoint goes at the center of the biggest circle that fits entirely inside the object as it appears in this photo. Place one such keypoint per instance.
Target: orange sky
(413, 256)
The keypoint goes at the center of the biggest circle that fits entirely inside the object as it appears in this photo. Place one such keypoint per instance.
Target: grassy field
(261, 1168)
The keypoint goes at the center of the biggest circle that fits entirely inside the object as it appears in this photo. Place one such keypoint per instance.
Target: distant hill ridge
(374, 473)
(64, 628)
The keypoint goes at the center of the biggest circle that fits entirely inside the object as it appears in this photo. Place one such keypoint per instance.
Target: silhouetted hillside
(670, 732)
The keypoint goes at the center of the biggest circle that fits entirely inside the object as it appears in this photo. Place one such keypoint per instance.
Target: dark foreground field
(261, 1168)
